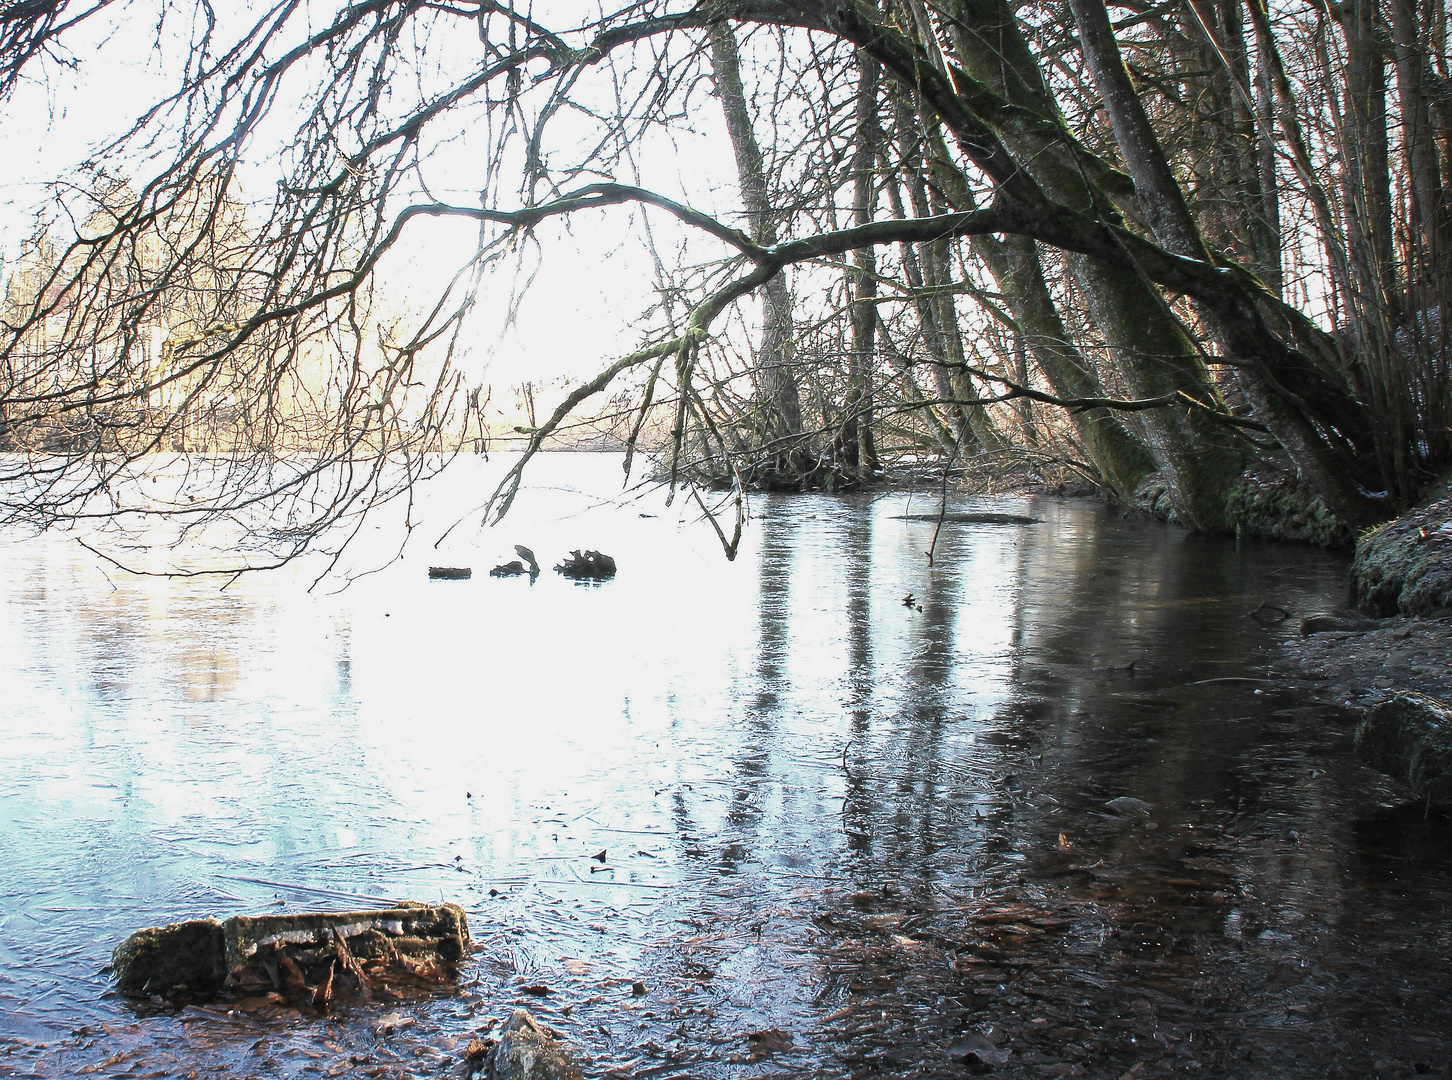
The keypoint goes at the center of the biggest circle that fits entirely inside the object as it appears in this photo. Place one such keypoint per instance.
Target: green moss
(1405, 565)
(190, 954)
(1275, 506)
(1153, 497)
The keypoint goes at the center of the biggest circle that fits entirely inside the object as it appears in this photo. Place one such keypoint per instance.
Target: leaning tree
(1163, 230)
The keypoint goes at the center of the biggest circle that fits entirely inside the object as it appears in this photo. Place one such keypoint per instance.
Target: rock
(189, 954)
(1129, 805)
(1409, 737)
(451, 573)
(587, 566)
(978, 1053)
(1325, 624)
(513, 568)
(302, 955)
(526, 1051)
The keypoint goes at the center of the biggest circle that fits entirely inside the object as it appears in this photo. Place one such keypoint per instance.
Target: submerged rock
(309, 955)
(526, 1051)
(1329, 624)
(1410, 737)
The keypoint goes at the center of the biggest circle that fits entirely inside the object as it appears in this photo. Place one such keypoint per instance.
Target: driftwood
(308, 957)
(451, 573)
(525, 564)
(1410, 737)
(587, 566)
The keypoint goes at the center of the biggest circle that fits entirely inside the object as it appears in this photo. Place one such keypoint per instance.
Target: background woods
(1195, 251)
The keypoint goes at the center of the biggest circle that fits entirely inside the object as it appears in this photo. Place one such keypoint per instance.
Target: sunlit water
(819, 806)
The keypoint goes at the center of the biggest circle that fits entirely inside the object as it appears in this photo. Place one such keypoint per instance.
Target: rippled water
(882, 829)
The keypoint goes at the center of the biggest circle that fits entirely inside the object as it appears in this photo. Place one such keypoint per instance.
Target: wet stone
(1326, 624)
(526, 1051)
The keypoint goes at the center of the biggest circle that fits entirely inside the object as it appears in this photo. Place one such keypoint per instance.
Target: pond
(1052, 816)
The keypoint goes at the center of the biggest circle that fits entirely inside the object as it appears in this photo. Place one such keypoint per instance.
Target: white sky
(594, 275)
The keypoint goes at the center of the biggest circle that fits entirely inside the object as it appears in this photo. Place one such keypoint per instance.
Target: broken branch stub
(587, 566)
(411, 946)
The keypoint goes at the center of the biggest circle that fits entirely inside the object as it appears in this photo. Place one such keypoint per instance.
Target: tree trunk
(1197, 455)
(1169, 215)
(1120, 458)
(781, 426)
(858, 448)
(1269, 267)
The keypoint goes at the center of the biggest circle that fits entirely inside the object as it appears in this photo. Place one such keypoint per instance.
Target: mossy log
(1410, 737)
(188, 954)
(301, 955)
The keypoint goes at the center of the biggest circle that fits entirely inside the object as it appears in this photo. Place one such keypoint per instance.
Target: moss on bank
(1266, 504)
(1405, 565)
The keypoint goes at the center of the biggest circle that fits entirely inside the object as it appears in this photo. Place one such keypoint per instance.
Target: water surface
(893, 832)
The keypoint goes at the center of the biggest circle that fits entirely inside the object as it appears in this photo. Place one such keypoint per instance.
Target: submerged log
(972, 518)
(411, 946)
(526, 1051)
(1410, 737)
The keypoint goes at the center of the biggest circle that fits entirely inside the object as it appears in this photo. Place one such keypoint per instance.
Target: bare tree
(363, 116)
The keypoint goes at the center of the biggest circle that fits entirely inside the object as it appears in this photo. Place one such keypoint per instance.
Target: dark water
(883, 835)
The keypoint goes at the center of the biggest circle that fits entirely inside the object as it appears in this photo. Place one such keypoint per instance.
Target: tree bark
(858, 447)
(780, 400)
(1201, 463)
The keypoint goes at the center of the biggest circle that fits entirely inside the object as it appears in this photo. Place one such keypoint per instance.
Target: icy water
(724, 819)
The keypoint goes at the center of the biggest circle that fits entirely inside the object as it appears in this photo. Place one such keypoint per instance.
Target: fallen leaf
(768, 1041)
(978, 1049)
